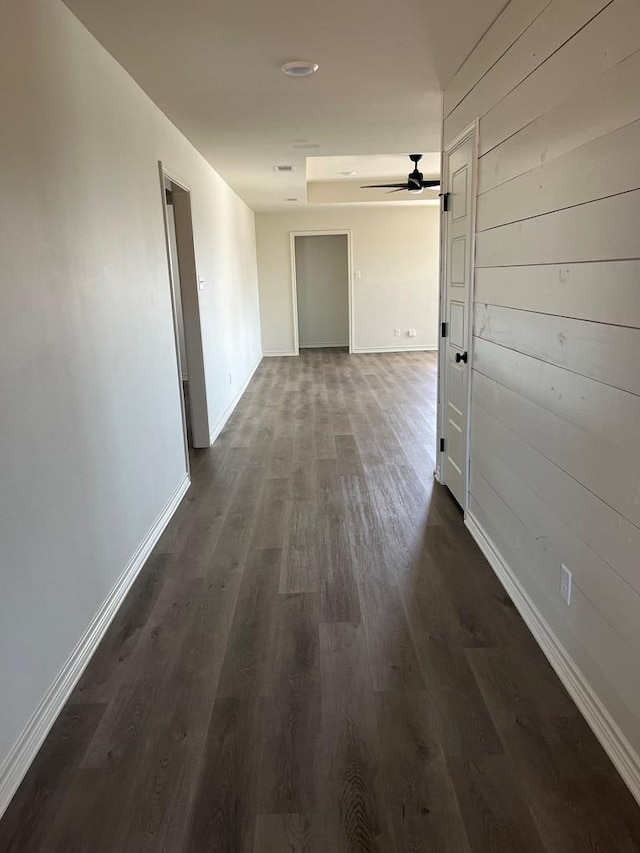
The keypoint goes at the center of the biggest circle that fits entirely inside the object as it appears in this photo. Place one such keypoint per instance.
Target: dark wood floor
(317, 658)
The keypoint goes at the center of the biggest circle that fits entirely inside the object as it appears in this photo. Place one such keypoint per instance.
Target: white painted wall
(91, 445)
(555, 437)
(396, 252)
(322, 287)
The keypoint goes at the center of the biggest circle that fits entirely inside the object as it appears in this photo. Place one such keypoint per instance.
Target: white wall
(91, 446)
(555, 437)
(396, 251)
(322, 287)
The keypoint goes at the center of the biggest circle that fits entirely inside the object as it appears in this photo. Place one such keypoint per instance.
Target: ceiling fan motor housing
(415, 181)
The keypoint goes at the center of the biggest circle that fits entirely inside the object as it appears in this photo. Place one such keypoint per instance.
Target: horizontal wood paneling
(557, 23)
(613, 538)
(604, 656)
(607, 470)
(555, 413)
(610, 354)
(605, 292)
(613, 652)
(557, 544)
(608, 39)
(509, 26)
(605, 167)
(598, 107)
(600, 231)
(606, 413)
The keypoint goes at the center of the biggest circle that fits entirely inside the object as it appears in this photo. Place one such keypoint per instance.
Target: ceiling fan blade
(402, 189)
(431, 184)
(383, 186)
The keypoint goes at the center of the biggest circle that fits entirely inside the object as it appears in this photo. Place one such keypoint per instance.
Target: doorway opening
(186, 311)
(321, 276)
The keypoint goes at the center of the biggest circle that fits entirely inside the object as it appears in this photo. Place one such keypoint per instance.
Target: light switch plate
(565, 584)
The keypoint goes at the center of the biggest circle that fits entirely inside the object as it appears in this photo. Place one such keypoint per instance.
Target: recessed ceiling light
(290, 199)
(347, 174)
(285, 168)
(299, 68)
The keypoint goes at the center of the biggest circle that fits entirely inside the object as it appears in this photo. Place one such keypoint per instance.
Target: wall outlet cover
(565, 584)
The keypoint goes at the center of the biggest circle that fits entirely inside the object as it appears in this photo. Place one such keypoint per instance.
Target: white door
(459, 175)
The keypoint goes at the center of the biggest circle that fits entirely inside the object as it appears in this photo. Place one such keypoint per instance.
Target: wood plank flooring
(317, 659)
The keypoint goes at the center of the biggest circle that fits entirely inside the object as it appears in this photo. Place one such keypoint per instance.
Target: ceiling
(339, 180)
(369, 168)
(213, 67)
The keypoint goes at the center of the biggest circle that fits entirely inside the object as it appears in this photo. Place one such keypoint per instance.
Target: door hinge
(443, 330)
(442, 445)
(168, 196)
(445, 202)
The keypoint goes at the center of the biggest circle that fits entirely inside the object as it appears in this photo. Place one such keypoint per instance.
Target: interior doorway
(321, 274)
(186, 310)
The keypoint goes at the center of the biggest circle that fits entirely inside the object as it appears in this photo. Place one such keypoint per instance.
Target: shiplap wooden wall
(555, 435)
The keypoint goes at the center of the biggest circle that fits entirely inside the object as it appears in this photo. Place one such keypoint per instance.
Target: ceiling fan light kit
(414, 184)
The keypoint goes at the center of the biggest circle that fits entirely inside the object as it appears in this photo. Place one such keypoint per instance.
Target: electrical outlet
(565, 584)
(396, 332)
(412, 333)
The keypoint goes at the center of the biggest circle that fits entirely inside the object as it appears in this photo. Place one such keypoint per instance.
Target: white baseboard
(615, 744)
(356, 350)
(324, 346)
(25, 749)
(410, 348)
(227, 412)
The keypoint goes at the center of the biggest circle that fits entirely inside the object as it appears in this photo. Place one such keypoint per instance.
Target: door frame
(294, 286)
(473, 130)
(191, 283)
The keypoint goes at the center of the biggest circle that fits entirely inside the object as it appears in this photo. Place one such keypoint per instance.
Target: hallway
(317, 658)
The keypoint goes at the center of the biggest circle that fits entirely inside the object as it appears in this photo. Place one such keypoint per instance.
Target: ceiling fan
(415, 182)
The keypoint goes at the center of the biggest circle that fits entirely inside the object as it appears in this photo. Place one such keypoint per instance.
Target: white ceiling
(371, 167)
(214, 69)
(329, 181)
